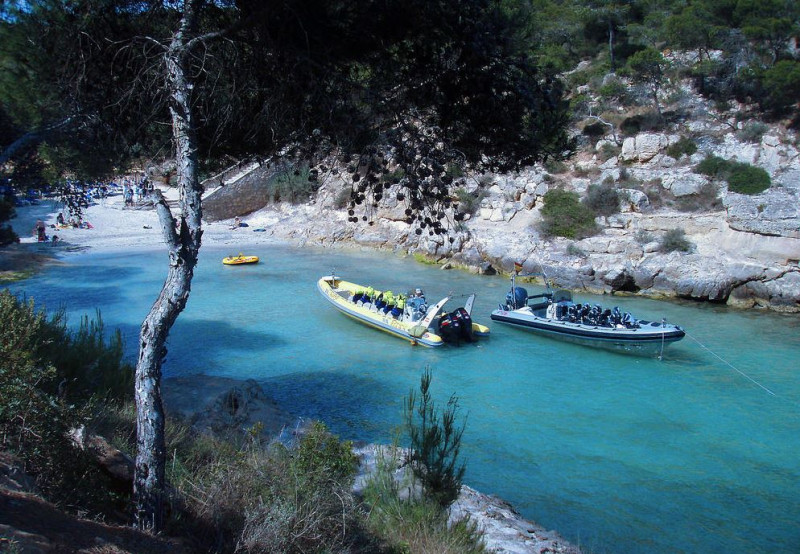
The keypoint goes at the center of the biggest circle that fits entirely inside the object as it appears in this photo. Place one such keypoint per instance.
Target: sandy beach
(116, 227)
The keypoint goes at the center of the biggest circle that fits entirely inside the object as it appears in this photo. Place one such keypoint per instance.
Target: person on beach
(236, 223)
(40, 231)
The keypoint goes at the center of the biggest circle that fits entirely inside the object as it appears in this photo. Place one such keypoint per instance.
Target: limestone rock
(684, 183)
(775, 212)
(643, 147)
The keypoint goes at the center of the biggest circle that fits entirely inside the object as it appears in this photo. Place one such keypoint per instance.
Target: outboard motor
(449, 328)
(517, 298)
(465, 321)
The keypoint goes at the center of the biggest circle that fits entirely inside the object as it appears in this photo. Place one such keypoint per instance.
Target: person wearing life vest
(358, 294)
(368, 296)
(388, 298)
(399, 306)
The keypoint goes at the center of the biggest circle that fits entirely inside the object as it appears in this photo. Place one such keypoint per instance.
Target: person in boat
(358, 295)
(369, 294)
(388, 301)
(399, 306)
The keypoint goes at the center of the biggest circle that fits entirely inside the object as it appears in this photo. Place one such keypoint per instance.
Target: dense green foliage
(602, 200)
(741, 177)
(684, 145)
(407, 523)
(56, 89)
(7, 234)
(383, 86)
(747, 179)
(753, 61)
(564, 215)
(435, 444)
(51, 378)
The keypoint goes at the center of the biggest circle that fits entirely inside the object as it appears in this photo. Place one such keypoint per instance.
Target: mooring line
(736, 369)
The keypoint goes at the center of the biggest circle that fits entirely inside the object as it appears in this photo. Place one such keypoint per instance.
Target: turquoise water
(617, 453)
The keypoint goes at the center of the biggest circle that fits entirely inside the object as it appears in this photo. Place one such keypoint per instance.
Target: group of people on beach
(40, 230)
(136, 190)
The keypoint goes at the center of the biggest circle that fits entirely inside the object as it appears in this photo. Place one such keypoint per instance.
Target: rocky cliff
(744, 249)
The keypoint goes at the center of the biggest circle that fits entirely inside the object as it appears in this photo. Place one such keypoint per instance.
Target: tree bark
(184, 246)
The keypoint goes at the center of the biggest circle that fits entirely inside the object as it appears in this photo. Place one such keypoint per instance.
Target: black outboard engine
(449, 328)
(465, 321)
(518, 299)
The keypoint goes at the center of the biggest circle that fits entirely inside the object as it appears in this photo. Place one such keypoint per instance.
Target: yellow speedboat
(416, 321)
(240, 260)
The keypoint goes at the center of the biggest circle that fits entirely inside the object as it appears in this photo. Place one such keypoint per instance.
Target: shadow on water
(353, 407)
(196, 344)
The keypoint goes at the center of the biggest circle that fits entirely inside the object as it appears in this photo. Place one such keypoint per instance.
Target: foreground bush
(50, 386)
(409, 523)
(435, 444)
(270, 498)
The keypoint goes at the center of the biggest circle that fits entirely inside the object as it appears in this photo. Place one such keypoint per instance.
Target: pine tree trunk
(184, 245)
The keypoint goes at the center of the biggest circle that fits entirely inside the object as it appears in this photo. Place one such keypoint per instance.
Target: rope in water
(730, 365)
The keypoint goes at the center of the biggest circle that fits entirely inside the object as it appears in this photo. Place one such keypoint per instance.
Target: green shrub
(435, 444)
(747, 179)
(649, 121)
(741, 177)
(555, 166)
(643, 237)
(574, 250)
(563, 215)
(713, 166)
(602, 200)
(274, 498)
(595, 130)
(753, 132)
(684, 145)
(614, 89)
(674, 240)
(7, 235)
(706, 199)
(45, 396)
(607, 151)
(293, 185)
(469, 202)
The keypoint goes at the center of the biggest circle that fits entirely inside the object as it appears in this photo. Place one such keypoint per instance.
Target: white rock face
(684, 183)
(644, 147)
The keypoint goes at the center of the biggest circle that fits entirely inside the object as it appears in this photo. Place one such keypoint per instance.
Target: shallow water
(618, 453)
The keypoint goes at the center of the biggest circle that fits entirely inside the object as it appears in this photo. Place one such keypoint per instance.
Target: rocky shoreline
(216, 404)
(744, 249)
